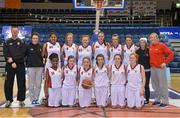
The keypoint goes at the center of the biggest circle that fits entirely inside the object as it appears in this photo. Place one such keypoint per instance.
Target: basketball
(87, 84)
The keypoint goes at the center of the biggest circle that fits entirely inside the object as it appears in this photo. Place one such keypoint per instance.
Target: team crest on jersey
(128, 71)
(80, 50)
(88, 73)
(50, 46)
(74, 72)
(96, 71)
(32, 49)
(124, 50)
(18, 43)
(67, 71)
(131, 50)
(111, 50)
(105, 71)
(52, 73)
(67, 48)
(113, 72)
(82, 73)
(97, 46)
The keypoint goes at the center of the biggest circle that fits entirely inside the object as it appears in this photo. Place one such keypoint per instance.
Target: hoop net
(99, 3)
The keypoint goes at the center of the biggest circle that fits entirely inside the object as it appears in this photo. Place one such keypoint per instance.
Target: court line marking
(143, 110)
(173, 91)
(60, 110)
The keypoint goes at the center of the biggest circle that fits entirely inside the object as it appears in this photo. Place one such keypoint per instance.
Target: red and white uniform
(83, 52)
(52, 48)
(54, 87)
(113, 52)
(134, 84)
(118, 80)
(68, 51)
(100, 49)
(69, 86)
(127, 52)
(85, 94)
(101, 85)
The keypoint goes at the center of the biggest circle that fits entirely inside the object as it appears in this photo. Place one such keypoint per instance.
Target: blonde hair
(136, 55)
(85, 36)
(154, 34)
(69, 33)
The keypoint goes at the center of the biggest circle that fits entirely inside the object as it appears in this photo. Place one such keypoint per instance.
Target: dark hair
(34, 33)
(99, 55)
(87, 59)
(53, 33)
(118, 55)
(70, 57)
(129, 36)
(53, 55)
(116, 35)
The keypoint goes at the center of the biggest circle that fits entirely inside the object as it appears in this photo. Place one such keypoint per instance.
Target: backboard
(108, 4)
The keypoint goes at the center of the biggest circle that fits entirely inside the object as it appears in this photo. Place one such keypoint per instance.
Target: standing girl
(115, 48)
(85, 72)
(136, 83)
(69, 82)
(144, 59)
(51, 47)
(101, 47)
(84, 50)
(53, 82)
(128, 49)
(101, 80)
(69, 48)
(118, 81)
(34, 68)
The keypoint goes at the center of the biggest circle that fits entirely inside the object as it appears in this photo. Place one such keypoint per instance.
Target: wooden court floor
(41, 111)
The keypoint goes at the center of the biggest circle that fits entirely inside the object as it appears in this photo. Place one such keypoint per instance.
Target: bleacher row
(78, 30)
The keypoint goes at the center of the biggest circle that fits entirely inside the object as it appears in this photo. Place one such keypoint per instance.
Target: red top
(160, 53)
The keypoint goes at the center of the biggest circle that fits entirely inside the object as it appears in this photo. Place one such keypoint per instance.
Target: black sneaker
(8, 104)
(163, 105)
(21, 103)
(156, 103)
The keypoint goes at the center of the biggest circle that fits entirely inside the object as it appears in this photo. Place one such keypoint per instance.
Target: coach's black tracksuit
(15, 48)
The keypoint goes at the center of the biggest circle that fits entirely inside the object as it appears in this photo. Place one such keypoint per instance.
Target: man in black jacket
(14, 52)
